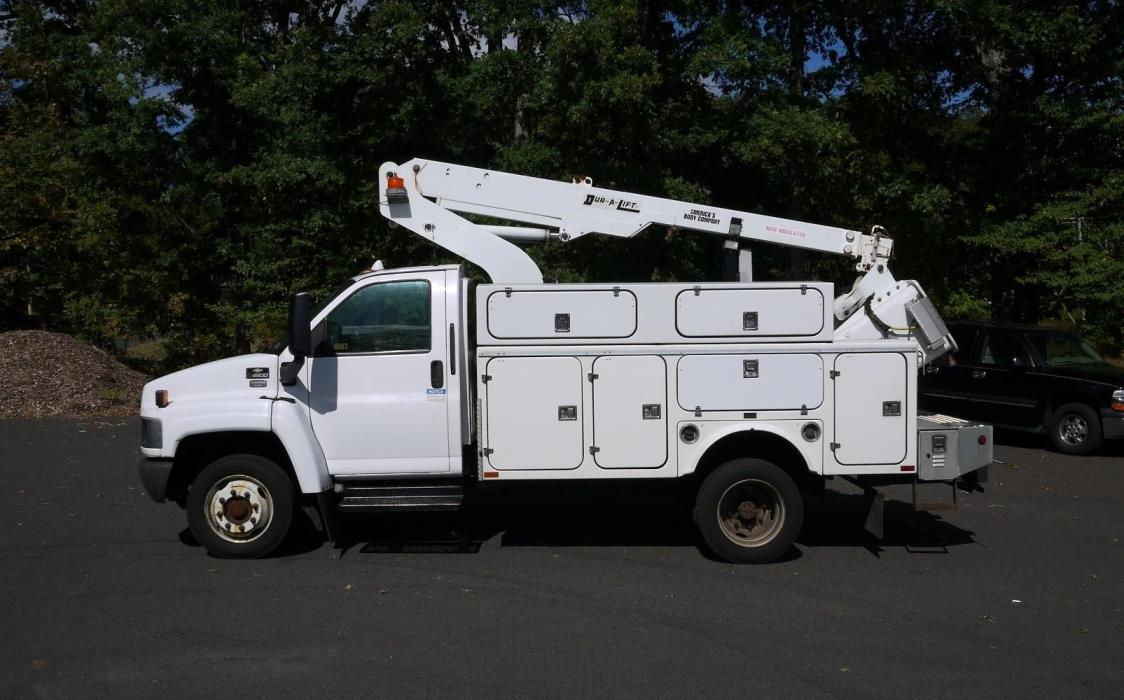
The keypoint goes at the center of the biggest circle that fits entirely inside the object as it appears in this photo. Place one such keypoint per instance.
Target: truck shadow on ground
(650, 517)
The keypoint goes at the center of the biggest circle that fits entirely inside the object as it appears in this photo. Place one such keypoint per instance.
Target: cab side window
(1003, 350)
(382, 317)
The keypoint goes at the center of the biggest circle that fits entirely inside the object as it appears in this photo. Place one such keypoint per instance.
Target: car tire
(749, 511)
(241, 506)
(1075, 429)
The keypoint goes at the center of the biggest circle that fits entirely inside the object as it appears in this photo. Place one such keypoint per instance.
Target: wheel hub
(239, 508)
(751, 513)
(1074, 430)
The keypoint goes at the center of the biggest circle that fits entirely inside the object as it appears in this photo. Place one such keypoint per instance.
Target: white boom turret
(427, 197)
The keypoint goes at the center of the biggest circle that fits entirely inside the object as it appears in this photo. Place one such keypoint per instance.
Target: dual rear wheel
(749, 511)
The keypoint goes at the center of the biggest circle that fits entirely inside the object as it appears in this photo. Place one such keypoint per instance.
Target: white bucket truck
(749, 393)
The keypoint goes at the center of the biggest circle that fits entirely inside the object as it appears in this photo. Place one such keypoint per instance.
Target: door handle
(436, 374)
(978, 374)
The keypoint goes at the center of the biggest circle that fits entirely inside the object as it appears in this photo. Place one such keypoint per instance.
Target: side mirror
(300, 337)
(300, 325)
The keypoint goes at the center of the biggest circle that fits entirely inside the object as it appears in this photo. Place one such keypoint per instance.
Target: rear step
(383, 498)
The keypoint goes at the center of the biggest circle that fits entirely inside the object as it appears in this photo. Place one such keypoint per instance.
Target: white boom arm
(423, 196)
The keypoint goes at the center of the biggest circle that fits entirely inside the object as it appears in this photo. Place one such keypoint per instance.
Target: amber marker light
(395, 189)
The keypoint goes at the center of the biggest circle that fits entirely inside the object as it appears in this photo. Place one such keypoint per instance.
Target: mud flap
(874, 507)
(329, 519)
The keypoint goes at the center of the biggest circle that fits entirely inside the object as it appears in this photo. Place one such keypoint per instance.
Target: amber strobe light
(395, 189)
(162, 398)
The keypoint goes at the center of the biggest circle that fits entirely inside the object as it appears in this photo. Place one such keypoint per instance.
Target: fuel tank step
(383, 498)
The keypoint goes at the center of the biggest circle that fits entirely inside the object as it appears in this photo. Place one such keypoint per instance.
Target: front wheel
(749, 511)
(1075, 429)
(241, 506)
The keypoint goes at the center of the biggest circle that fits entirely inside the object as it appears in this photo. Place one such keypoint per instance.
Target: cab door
(379, 378)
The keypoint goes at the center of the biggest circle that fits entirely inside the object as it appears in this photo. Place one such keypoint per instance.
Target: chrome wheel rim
(1074, 430)
(239, 508)
(751, 512)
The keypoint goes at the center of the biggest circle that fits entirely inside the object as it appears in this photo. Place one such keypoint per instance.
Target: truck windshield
(277, 347)
(1065, 349)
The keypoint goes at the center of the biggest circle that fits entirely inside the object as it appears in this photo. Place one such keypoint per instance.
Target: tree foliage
(174, 169)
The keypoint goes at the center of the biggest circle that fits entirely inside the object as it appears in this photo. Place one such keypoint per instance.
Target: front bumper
(154, 476)
(1112, 424)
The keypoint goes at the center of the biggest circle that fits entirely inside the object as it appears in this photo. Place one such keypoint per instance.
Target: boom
(427, 197)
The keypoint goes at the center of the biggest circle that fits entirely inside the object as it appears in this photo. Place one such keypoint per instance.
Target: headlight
(1118, 400)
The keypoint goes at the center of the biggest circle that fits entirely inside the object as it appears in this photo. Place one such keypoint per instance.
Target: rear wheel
(241, 506)
(1075, 429)
(749, 511)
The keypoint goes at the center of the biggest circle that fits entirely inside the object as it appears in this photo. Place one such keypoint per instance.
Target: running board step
(368, 498)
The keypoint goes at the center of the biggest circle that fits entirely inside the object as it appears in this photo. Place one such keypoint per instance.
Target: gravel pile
(53, 374)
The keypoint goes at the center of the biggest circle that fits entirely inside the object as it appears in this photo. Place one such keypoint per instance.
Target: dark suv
(1029, 378)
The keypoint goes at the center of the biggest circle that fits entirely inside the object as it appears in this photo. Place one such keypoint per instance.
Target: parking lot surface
(561, 592)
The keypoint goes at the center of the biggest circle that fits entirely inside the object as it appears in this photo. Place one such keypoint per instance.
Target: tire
(744, 491)
(241, 506)
(1075, 429)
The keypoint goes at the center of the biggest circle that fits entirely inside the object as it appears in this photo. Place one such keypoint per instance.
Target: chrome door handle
(978, 374)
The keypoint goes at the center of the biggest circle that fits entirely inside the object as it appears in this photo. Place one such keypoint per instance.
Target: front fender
(179, 421)
(292, 426)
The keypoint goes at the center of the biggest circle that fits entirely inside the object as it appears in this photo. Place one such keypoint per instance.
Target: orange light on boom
(395, 189)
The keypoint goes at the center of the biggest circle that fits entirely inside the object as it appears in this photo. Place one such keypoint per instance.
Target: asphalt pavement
(560, 592)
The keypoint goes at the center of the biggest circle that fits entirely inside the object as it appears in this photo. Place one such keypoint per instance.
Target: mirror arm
(290, 371)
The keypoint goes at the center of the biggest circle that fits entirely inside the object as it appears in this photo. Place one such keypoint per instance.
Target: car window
(383, 317)
(1065, 349)
(1003, 350)
(965, 340)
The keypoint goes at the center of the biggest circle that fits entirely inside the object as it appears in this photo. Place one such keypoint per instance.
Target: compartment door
(630, 412)
(753, 382)
(871, 408)
(565, 314)
(534, 413)
(751, 313)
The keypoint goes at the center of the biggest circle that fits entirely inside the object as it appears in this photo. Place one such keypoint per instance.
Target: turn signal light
(1118, 405)
(162, 398)
(395, 189)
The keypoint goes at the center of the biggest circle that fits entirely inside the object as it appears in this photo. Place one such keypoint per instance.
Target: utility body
(388, 397)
